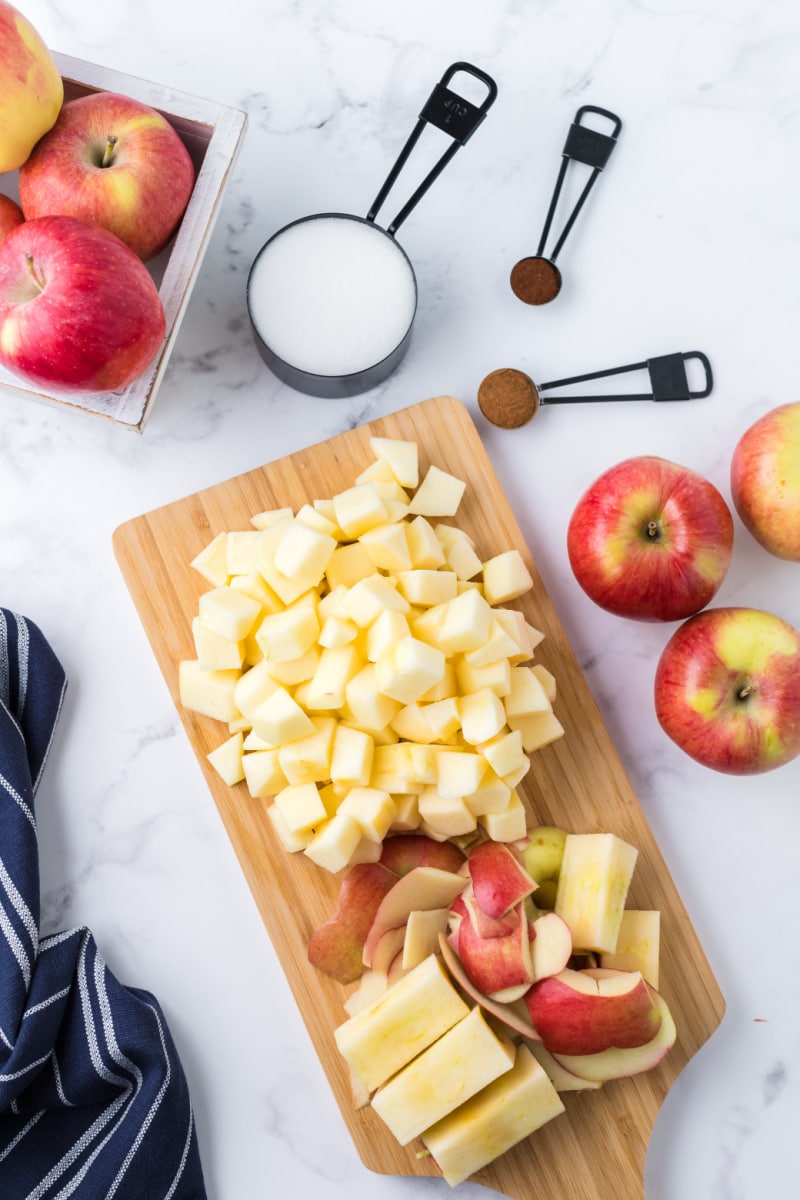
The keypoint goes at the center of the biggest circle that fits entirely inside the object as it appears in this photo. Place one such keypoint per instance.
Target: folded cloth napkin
(93, 1099)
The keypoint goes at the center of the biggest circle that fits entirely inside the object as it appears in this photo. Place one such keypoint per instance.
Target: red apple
(10, 215)
(115, 162)
(336, 947)
(496, 964)
(582, 1012)
(650, 539)
(31, 88)
(78, 310)
(765, 480)
(727, 690)
(619, 1063)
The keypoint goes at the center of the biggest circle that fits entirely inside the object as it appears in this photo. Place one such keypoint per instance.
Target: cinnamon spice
(508, 398)
(535, 280)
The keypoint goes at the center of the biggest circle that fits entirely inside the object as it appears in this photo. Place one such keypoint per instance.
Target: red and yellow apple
(31, 89)
(78, 309)
(336, 947)
(727, 690)
(114, 162)
(765, 480)
(650, 539)
(10, 215)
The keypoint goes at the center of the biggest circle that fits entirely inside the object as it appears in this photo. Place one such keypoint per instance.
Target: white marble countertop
(690, 241)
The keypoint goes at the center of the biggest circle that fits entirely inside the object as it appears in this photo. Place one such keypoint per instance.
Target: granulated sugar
(332, 295)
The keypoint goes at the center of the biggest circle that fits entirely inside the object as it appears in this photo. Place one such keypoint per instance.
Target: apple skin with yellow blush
(10, 215)
(651, 540)
(727, 690)
(114, 162)
(31, 88)
(765, 480)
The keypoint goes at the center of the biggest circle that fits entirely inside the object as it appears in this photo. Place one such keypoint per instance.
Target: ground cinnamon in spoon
(508, 398)
(535, 280)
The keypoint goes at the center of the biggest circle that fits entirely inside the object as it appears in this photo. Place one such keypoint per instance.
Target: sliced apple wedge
(515, 1016)
(551, 947)
(585, 1012)
(495, 964)
(620, 1062)
(561, 1079)
(499, 879)
(421, 888)
(337, 947)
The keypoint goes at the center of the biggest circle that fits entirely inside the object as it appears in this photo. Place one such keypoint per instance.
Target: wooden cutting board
(596, 1150)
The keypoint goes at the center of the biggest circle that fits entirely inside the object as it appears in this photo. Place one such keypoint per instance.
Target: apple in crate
(765, 480)
(78, 309)
(727, 690)
(31, 90)
(650, 539)
(115, 162)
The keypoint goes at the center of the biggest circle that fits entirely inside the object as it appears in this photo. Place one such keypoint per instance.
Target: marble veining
(690, 241)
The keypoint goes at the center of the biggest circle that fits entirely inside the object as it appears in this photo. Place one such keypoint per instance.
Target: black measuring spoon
(536, 279)
(509, 398)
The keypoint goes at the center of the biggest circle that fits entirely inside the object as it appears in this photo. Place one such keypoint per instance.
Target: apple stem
(652, 529)
(37, 278)
(108, 154)
(745, 691)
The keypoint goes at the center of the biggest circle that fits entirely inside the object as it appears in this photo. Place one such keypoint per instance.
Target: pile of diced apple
(370, 667)
(473, 1007)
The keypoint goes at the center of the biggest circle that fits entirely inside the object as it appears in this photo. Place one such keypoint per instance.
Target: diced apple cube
(262, 771)
(242, 551)
(403, 767)
(446, 816)
(372, 709)
(439, 494)
(226, 759)
(504, 752)
(280, 719)
(263, 520)
(527, 695)
(462, 559)
(537, 729)
(377, 472)
(498, 644)
(412, 725)
(372, 808)
(505, 577)
(327, 688)
(387, 629)
(253, 585)
(308, 759)
(291, 842)
(303, 553)
(300, 806)
(214, 652)
(289, 634)
(495, 675)
(427, 588)
(208, 692)
(387, 546)
(288, 590)
(407, 813)
(426, 624)
(444, 717)
(517, 628)
(252, 689)
(335, 632)
(511, 1108)
(637, 944)
(510, 825)
(445, 689)
(318, 520)
(491, 796)
(359, 508)
(407, 669)
(228, 612)
(423, 545)
(335, 842)
(352, 756)
(461, 1063)
(212, 561)
(402, 458)
(547, 680)
(482, 716)
(466, 624)
(593, 882)
(367, 599)
(348, 564)
(459, 773)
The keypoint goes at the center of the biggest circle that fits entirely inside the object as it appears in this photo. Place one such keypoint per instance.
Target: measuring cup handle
(669, 380)
(455, 116)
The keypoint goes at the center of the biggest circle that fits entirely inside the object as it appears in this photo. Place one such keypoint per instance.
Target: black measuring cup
(536, 279)
(509, 398)
(332, 297)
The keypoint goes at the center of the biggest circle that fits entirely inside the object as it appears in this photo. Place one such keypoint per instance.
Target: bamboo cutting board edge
(154, 552)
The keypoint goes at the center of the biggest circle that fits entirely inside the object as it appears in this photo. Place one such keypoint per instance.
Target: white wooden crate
(212, 133)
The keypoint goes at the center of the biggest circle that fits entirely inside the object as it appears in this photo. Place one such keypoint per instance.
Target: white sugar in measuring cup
(332, 297)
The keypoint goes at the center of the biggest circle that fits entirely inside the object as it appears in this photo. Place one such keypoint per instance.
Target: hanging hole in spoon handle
(536, 279)
(455, 116)
(509, 398)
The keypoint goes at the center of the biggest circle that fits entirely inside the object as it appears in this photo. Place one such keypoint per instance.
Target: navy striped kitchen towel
(93, 1099)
